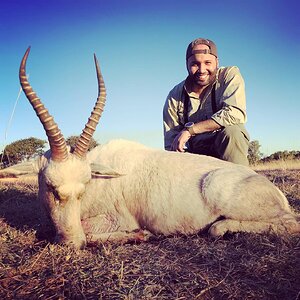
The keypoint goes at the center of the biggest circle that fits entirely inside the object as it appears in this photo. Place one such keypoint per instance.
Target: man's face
(202, 68)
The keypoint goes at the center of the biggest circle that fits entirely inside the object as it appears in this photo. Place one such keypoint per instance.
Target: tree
(283, 155)
(22, 150)
(254, 154)
(72, 140)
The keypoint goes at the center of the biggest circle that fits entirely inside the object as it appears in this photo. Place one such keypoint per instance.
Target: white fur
(159, 191)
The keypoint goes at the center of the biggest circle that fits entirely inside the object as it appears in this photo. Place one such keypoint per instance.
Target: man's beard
(198, 80)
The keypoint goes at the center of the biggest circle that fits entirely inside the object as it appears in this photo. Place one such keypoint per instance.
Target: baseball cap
(212, 47)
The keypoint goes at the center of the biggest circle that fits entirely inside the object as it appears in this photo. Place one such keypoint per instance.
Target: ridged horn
(83, 142)
(58, 146)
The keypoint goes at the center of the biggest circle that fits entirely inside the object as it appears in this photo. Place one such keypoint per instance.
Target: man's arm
(232, 99)
(171, 124)
(198, 128)
(172, 111)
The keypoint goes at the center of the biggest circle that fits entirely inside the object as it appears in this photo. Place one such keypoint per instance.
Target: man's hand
(180, 141)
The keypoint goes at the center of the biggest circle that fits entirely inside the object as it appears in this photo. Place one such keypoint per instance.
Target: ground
(239, 266)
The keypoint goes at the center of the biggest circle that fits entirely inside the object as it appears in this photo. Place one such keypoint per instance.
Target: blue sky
(141, 48)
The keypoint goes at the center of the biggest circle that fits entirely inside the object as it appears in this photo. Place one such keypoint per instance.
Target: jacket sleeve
(232, 99)
(171, 120)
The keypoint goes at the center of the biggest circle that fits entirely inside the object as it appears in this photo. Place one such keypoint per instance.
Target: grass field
(278, 165)
(239, 266)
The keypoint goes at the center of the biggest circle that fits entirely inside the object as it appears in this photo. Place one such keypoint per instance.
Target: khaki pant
(230, 143)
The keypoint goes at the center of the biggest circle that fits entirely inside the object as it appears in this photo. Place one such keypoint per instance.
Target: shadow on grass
(20, 209)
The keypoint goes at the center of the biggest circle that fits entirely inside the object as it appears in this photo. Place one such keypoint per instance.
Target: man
(205, 113)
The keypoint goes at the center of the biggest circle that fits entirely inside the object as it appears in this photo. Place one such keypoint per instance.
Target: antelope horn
(83, 143)
(58, 146)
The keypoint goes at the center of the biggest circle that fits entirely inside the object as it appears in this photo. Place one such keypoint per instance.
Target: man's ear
(101, 171)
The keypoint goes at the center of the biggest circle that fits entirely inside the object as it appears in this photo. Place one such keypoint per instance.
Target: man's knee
(232, 144)
(234, 133)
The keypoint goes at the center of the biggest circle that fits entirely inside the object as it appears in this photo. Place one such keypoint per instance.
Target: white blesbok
(124, 191)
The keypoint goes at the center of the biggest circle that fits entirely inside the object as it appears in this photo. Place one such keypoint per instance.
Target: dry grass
(278, 165)
(240, 266)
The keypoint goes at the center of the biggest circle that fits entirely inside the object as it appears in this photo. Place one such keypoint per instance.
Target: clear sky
(141, 48)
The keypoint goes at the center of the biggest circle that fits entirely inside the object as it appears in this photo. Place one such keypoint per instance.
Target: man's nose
(202, 68)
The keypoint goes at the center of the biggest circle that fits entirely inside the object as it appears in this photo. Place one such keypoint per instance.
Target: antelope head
(63, 174)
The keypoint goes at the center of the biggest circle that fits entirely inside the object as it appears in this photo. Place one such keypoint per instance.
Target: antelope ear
(101, 171)
(21, 169)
